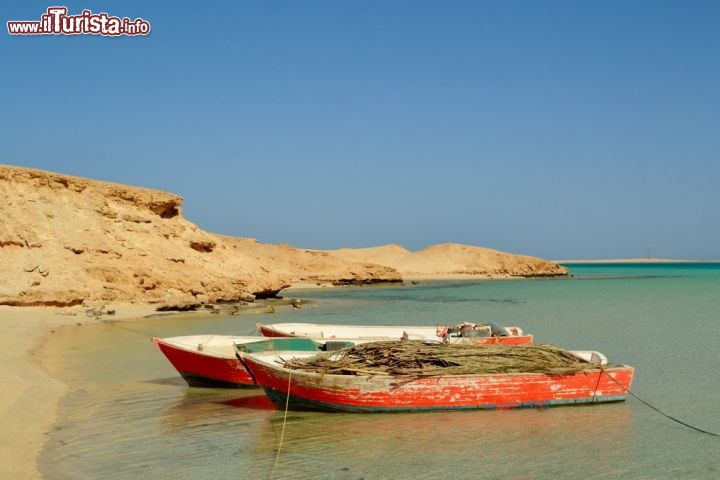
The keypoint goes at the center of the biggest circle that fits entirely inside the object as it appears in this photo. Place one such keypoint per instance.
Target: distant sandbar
(636, 260)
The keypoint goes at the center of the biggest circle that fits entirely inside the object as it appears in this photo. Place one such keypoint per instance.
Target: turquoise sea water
(129, 415)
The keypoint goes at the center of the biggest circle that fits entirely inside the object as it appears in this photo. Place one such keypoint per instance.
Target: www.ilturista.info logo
(57, 22)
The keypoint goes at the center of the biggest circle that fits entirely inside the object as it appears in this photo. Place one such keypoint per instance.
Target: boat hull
(211, 361)
(380, 393)
(381, 333)
(200, 368)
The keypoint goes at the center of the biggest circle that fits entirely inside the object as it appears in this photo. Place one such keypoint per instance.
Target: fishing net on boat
(419, 358)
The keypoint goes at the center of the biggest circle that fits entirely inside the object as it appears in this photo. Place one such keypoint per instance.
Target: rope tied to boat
(282, 432)
(597, 385)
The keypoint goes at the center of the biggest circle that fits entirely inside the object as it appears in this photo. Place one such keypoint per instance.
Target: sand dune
(454, 260)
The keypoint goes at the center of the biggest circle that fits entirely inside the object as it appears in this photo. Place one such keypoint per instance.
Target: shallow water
(129, 415)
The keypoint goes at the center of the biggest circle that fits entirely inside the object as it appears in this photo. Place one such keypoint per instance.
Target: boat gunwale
(207, 351)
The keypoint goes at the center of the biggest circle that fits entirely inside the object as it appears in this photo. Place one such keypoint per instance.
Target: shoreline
(30, 400)
(415, 278)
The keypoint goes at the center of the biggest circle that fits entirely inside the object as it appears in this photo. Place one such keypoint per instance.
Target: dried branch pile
(419, 358)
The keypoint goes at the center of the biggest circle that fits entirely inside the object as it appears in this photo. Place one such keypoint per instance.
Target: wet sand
(30, 395)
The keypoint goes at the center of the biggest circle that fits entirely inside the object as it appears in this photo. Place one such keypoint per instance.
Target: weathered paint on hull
(280, 400)
(351, 393)
(200, 369)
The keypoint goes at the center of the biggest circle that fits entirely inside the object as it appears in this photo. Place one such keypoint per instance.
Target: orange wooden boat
(365, 391)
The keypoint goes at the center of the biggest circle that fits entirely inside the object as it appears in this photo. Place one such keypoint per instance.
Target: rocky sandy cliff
(68, 241)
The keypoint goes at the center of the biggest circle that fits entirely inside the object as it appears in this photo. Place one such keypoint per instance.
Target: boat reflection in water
(202, 406)
(457, 444)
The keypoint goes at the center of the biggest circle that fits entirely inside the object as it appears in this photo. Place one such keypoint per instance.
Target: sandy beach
(29, 399)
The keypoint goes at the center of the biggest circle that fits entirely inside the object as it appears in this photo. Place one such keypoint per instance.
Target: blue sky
(561, 129)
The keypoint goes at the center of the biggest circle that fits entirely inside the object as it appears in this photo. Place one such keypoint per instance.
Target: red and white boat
(480, 334)
(361, 391)
(207, 360)
(211, 361)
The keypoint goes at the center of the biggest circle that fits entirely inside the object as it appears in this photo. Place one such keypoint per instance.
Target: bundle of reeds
(418, 358)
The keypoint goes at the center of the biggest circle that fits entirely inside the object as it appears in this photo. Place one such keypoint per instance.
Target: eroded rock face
(67, 241)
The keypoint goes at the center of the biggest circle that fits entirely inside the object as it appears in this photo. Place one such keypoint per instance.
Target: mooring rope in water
(670, 417)
(282, 433)
(114, 323)
(597, 385)
(103, 345)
